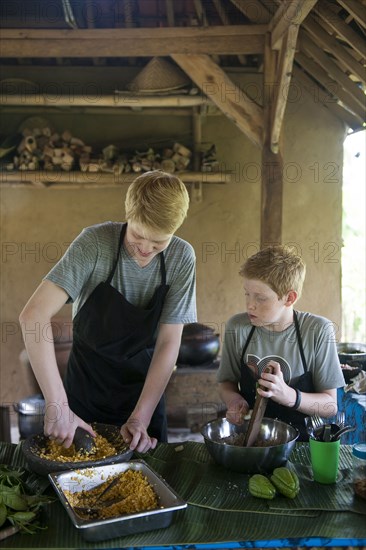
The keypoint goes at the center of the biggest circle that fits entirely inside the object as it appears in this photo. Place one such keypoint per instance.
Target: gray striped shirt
(318, 340)
(90, 259)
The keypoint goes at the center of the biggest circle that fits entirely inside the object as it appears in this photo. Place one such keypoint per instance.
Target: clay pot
(200, 345)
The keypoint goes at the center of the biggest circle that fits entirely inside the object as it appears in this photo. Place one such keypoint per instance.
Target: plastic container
(359, 469)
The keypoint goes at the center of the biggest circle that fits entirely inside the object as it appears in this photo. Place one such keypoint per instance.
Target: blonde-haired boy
(157, 200)
(300, 346)
(132, 286)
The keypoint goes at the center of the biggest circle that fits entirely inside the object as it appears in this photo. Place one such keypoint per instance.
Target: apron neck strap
(162, 268)
(247, 344)
(120, 242)
(298, 337)
(299, 341)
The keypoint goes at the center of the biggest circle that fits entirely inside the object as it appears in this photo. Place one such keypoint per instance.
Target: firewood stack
(170, 160)
(40, 149)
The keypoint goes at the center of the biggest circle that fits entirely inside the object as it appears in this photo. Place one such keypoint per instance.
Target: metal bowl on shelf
(33, 446)
(275, 442)
(352, 354)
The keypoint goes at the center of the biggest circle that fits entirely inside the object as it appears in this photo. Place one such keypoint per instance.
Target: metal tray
(95, 530)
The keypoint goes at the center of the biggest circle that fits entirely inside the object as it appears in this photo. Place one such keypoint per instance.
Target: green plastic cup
(324, 460)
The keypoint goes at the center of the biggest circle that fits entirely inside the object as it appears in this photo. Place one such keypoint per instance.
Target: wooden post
(196, 188)
(272, 164)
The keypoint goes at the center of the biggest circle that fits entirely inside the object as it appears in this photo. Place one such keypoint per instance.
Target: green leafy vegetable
(3, 514)
(17, 506)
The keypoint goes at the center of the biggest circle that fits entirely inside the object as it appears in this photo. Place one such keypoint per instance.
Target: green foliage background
(353, 251)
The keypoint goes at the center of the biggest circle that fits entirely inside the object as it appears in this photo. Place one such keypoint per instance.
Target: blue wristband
(297, 403)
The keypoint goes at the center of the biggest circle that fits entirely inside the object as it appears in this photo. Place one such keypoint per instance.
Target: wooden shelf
(135, 103)
(118, 100)
(77, 180)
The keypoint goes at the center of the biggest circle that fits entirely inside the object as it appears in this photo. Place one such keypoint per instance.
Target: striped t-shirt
(90, 259)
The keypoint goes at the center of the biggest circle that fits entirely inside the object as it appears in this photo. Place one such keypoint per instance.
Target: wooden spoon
(257, 415)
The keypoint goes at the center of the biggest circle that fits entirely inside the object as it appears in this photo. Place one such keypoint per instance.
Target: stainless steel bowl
(276, 440)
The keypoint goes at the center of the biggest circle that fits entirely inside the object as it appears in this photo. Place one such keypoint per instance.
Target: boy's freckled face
(264, 307)
(144, 244)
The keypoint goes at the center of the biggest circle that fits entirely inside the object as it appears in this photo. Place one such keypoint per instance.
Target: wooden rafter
(325, 99)
(335, 90)
(341, 28)
(169, 8)
(227, 96)
(357, 11)
(290, 12)
(201, 14)
(329, 42)
(139, 42)
(254, 10)
(272, 164)
(220, 8)
(202, 20)
(284, 73)
(333, 70)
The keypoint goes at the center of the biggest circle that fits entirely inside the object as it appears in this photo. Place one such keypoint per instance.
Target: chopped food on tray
(131, 494)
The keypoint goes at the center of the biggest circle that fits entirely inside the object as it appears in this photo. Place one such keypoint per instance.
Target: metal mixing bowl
(276, 440)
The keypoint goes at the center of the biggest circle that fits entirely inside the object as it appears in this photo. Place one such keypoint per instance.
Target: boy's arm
(273, 386)
(35, 321)
(237, 407)
(162, 364)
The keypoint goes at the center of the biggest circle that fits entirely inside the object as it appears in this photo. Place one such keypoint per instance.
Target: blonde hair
(277, 266)
(157, 200)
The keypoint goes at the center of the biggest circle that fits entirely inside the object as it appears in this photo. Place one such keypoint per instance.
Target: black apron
(248, 388)
(111, 353)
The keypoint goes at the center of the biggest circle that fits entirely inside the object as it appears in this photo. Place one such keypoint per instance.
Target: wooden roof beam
(227, 96)
(254, 10)
(290, 12)
(329, 42)
(335, 90)
(203, 21)
(138, 42)
(325, 98)
(272, 164)
(220, 8)
(169, 8)
(354, 8)
(332, 69)
(284, 73)
(340, 27)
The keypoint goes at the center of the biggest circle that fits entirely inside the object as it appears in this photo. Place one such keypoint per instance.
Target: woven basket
(158, 76)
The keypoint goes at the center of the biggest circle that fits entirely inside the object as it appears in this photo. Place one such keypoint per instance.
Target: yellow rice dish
(54, 451)
(131, 494)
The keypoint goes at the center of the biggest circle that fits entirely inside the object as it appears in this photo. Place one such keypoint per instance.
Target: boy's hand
(237, 409)
(60, 424)
(273, 385)
(134, 433)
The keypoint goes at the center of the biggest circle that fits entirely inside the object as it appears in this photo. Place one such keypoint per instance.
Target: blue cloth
(354, 406)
